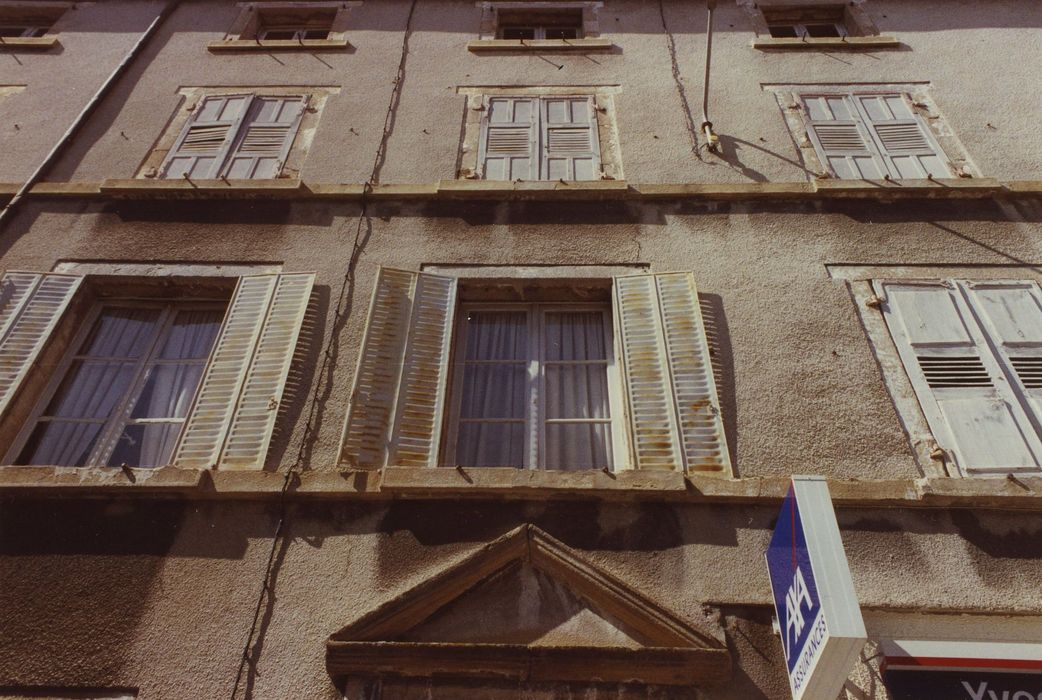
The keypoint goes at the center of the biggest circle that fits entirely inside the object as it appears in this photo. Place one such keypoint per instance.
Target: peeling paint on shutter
(398, 397)
(507, 149)
(673, 405)
(254, 420)
(32, 304)
(968, 402)
(210, 418)
(571, 150)
(201, 149)
(265, 138)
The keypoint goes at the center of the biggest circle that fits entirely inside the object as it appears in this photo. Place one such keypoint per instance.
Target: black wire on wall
(363, 230)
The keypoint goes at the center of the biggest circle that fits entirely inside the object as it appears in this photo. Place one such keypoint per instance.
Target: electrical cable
(358, 247)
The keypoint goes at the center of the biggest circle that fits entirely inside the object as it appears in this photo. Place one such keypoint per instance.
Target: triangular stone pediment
(528, 607)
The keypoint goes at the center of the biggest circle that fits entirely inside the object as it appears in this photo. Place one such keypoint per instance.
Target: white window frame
(535, 414)
(120, 417)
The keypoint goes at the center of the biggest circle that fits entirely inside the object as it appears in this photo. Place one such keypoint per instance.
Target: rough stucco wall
(979, 58)
(94, 38)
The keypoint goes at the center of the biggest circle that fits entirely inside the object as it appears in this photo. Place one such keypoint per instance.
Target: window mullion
(114, 428)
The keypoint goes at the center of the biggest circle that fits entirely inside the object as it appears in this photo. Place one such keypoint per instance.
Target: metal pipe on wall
(712, 140)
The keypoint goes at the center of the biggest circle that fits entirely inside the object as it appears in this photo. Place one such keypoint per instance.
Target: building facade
(425, 348)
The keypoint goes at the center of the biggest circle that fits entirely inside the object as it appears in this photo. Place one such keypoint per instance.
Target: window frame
(113, 427)
(535, 420)
(29, 31)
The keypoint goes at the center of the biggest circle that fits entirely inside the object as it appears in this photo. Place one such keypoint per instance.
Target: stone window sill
(541, 189)
(537, 45)
(267, 45)
(200, 189)
(41, 43)
(852, 43)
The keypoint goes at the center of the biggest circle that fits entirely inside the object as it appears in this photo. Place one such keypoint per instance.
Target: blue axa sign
(795, 593)
(819, 619)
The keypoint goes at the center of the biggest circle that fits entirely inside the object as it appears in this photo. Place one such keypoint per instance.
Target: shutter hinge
(875, 302)
(938, 453)
(273, 404)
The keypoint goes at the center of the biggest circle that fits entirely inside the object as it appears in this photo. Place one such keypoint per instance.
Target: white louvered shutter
(570, 146)
(202, 148)
(1011, 313)
(231, 423)
(30, 306)
(840, 137)
(265, 138)
(969, 404)
(906, 144)
(671, 394)
(398, 400)
(508, 145)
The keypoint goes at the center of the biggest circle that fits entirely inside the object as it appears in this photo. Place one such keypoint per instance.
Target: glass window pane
(562, 33)
(60, 444)
(822, 30)
(571, 446)
(121, 332)
(575, 335)
(145, 446)
(191, 335)
(494, 391)
(518, 33)
(168, 391)
(491, 445)
(497, 335)
(782, 31)
(577, 391)
(91, 390)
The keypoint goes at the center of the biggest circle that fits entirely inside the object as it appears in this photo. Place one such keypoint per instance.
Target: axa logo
(797, 596)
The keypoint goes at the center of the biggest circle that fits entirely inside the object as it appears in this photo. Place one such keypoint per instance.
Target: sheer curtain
(577, 414)
(495, 375)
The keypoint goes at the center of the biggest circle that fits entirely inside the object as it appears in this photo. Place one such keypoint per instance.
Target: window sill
(851, 43)
(200, 189)
(533, 189)
(266, 45)
(538, 45)
(939, 188)
(40, 43)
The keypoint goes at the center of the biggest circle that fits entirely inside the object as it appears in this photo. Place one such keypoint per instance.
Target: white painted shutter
(967, 400)
(570, 146)
(265, 138)
(203, 145)
(30, 306)
(907, 146)
(1011, 313)
(508, 146)
(839, 135)
(398, 399)
(234, 412)
(673, 403)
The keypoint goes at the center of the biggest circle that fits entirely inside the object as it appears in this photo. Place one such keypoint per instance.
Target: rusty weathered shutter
(673, 404)
(398, 399)
(31, 303)
(202, 148)
(234, 413)
(969, 404)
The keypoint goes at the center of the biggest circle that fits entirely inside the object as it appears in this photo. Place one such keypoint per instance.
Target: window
(236, 136)
(535, 386)
(296, 25)
(534, 375)
(23, 31)
(973, 353)
(546, 138)
(539, 24)
(145, 383)
(288, 26)
(872, 136)
(818, 21)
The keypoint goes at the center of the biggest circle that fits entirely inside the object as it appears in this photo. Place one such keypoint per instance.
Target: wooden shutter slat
(975, 415)
(399, 391)
(264, 141)
(508, 145)
(421, 403)
(33, 308)
(694, 389)
(203, 145)
(571, 150)
(209, 420)
(253, 422)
